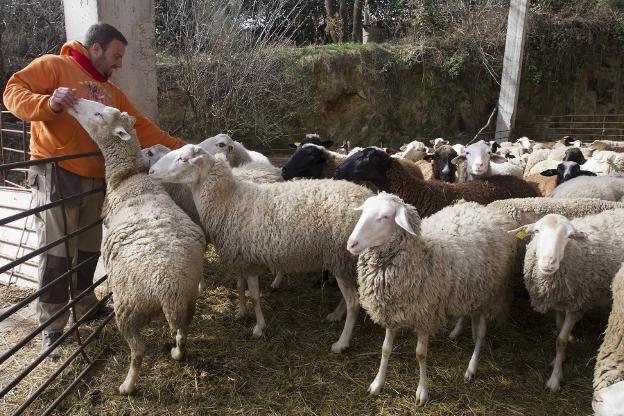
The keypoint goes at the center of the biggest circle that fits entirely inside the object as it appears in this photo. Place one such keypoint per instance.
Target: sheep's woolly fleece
(395, 283)
(583, 279)
(610, 361)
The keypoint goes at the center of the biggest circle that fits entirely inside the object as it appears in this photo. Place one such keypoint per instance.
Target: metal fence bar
(44, 325)
(34, 162)
(35, 295)
(47, 246)
(36, 394)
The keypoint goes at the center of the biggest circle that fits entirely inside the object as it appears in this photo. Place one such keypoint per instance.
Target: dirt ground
(290, 371)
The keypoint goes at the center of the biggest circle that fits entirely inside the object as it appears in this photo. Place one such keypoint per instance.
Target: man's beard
(100, 65)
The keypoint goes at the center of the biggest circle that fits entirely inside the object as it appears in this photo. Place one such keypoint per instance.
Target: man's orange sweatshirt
(28, 93)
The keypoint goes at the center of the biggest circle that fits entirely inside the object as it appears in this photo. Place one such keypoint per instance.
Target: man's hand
(62, 98)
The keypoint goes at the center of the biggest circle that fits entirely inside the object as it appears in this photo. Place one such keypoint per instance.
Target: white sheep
(568, 268)
(609, 372)
(236, 153)
(480, 162)
(408, 280)
(153, 252)
(298, 226)
(605, 162)
(413, 151)
(610, 188)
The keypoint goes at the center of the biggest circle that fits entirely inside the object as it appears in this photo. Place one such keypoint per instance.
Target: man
(41, 93)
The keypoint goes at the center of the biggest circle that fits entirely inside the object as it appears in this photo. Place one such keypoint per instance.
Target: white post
(135, 19)
(512, 68)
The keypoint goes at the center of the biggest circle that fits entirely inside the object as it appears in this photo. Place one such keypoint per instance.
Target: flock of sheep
(417, 238)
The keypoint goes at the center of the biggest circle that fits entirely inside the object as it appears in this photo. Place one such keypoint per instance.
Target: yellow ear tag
(297, 144)
(132, 121)
(521, 235)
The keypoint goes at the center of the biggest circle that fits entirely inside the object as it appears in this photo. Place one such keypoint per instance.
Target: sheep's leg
(479, 328)
(386, 350)
(457, 330)
(338, 313)
(559, 318)
(277, 282)
(571, 318)
(179, 321)
(131, 332)
(349, 293)
(422, 393)
(254, 292)
(241, 285)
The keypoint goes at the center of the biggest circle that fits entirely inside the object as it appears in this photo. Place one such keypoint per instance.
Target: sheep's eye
(467, 153)
(221, 145)
(99, 115)
(149, 153)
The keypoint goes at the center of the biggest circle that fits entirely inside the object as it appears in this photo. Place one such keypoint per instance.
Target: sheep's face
(526, 143)
(381, 217)
(551, 236)
(183, 165)
(609, 401)
(154, 153)
(574, 154)
(443, 167)
(414, 151)
(102, 122)
(566, 171)
(438, 142)
(370, 165)
(308, 161)
(478, 157)
(221, 143)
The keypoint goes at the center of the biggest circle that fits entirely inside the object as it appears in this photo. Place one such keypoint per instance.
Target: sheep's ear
(587, 173)
(458, 159)
(121, 133)
(496, 158)
(523, 231)
(510, 156)
(360, 208)
(402, 220)
(403, 148)
(549, 172)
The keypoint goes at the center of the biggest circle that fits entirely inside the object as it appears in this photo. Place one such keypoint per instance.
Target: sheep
(601, 187)
(606, 163)
(529, 210)
(298, 226)
(481, 162)
(526, 143)
(413, 151)
(235, 152)
(152, 251)
(616, 146)
(549, 179)
(407, 279)
(312, 161)
(568, 268)
(443, 168)
(438, 142)
(609, 372)
(313, 138)
(386, 174)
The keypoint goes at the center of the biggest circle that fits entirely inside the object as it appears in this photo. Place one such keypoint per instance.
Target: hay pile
(291, 371)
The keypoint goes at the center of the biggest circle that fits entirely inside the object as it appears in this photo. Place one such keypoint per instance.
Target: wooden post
(512, 68)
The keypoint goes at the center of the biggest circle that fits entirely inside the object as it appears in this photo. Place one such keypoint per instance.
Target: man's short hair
(103, 33)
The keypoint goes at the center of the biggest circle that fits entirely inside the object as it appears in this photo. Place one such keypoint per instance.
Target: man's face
(107, 60)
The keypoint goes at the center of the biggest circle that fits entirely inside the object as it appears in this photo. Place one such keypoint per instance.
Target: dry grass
(291, 371)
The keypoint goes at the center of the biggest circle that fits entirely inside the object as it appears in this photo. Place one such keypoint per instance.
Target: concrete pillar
(135, 19)
(512, 68)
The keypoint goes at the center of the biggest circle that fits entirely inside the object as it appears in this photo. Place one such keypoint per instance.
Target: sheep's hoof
(334, 317)
(553, 385)
(176, 353)
(242, 313)
(257, 332)
(469, 375)
(126, 388)
(338, 348)
(375, 388)
(422, 395)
